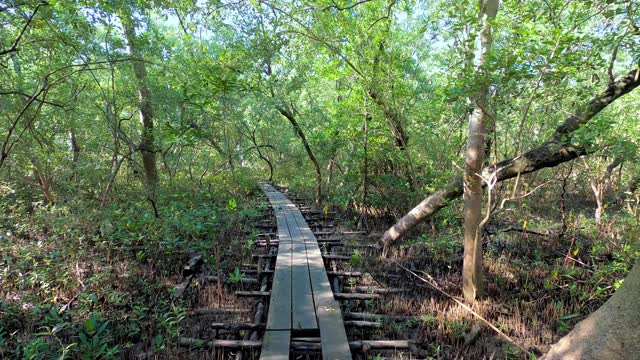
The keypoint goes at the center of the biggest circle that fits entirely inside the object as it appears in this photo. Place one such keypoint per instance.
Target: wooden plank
(303, 309)
(275, 345)
(276, 341)
(279, 317)
(333, 335)
(301, 240)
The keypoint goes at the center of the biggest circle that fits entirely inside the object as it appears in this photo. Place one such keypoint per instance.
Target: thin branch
(309, 34)
(182, 25)
(14, 47)
(525, 195)
(464, 306)
(340, 8)
(13, 92)
(614, 56)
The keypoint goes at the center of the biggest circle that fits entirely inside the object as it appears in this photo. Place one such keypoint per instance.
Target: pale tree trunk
(147, 145)
(472, 276)
(332, 161)
(329, 177)
(601, 186)
(556, 150)
(611, 332)
(263, 157)
(296, 127)
(44, 182)
(266, 159)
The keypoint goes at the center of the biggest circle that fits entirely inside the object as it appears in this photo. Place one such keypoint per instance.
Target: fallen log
(218, 311)
(189, 271)
(345, 273)
(253, 293)
(359, 345)
(255, 271)
(237, 326)
(324, 233)
(355, 296)
(379, 344)
(354, 246)
(369, 289)
(337, 257)
(276, 242)
(379, 317)
(227, 280)
(264, 256)
(362, 324)
(231, 344)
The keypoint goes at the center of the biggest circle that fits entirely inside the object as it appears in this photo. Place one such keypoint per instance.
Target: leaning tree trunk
(316, 165)
(147, 146)
(262, 156)
(611, 332)
(472, 276)
(556, 150)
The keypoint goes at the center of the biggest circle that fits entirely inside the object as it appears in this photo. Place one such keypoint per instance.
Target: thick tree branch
(556, 150)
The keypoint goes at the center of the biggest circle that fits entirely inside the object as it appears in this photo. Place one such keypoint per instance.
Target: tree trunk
(298, 130)
(329, 177)
(600, 186)
(397, 129)
(556, 150)
(362, 220)
(147, 145)
(75, 147)
(394, 119)
(112, 179)
(611, 332)
(266, 159)
(44, 182)
(472, 276)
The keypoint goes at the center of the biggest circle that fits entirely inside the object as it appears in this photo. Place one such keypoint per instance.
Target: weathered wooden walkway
(302, 301)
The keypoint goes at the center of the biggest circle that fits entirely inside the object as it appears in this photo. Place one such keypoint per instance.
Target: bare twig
(14, 47)
(525, 195)
(341, 8)
(463, 305)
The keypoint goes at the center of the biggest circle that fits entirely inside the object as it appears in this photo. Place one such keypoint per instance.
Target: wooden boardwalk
(302, 301)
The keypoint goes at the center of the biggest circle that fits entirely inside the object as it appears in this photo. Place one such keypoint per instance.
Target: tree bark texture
(147, 145)
(601, 186)
(556, 150)
(75, 147)
(611, 332)
(44, 182)
(296, 127)
(472, 276)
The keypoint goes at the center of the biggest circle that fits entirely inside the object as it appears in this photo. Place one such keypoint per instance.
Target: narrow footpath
(302, 302)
